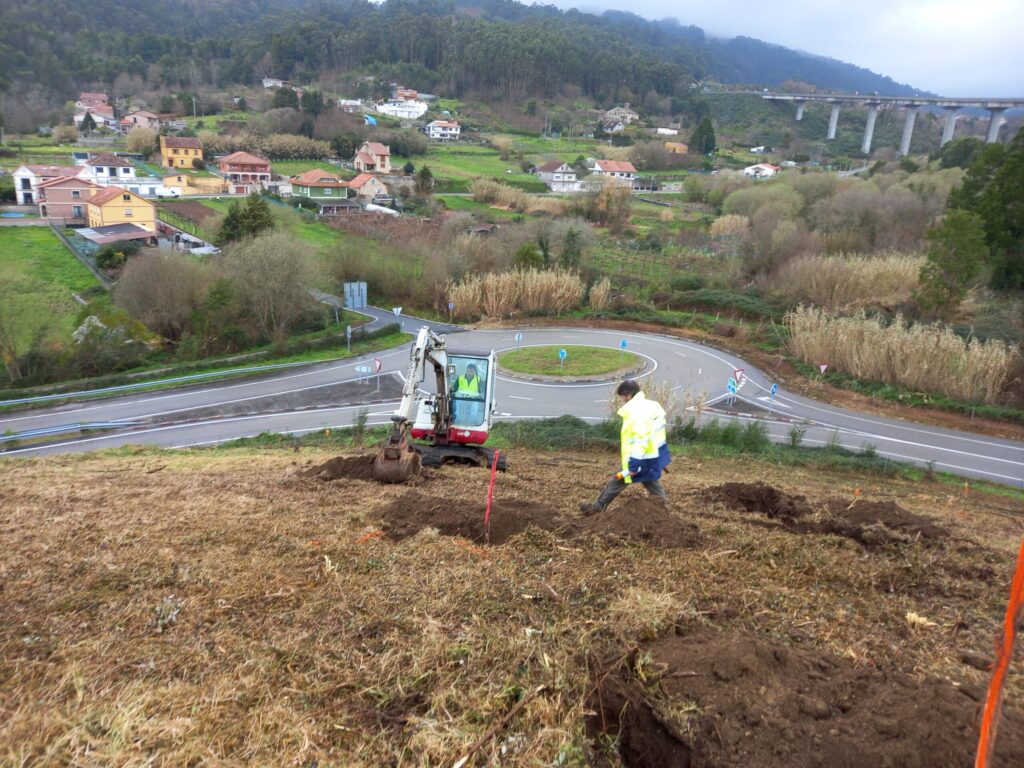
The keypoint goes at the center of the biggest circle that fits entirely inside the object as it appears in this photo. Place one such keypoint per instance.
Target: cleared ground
(235, 606)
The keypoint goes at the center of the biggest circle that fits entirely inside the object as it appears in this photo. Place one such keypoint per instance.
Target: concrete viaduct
(995, 108)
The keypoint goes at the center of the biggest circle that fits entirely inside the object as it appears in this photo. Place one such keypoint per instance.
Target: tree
(256, 217)
(408, 169)
(88, 123)
(141, 140)
(285, 97)
(956, 252)
(703, 141)
(270, 275)
(528, 256)
(64, 134)
(572, 249)
(312, 102)
(162, 291)
(242, 105)
(994, 189)
(232, 228)
(424, 181)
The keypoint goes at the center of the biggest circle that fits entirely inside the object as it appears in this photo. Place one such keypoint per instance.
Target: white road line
(517, 397)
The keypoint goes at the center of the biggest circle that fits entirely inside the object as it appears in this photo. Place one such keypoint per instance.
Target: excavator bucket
(396, 460)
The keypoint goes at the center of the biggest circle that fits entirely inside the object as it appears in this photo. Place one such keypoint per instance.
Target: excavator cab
(469, 384)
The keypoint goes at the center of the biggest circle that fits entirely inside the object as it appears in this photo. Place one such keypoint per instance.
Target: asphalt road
(319, 396)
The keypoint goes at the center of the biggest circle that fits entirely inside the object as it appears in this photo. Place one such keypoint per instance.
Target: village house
(140, 119)
(559, 176)
(27, 179)
(667, 131)
(615, 170)
(613, 126)
(272, 82)
(350, 105)
(405, 94)
(244, 168)
(106, 168)
(180, 151)
(368, 187)
(411, 109)
(63, 199)
(115, 205)
(373, 157)
(623, 114)
(102, 115)
(761, 170)
(319, 185)
(443, 130)
(87, 100)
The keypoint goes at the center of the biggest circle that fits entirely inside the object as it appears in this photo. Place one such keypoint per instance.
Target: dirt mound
(872, 523)
(758, 498)
(643, 519)
(415, 511)
(343, 467)
(709, 699)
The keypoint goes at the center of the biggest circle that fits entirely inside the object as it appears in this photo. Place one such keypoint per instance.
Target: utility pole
(193, 106)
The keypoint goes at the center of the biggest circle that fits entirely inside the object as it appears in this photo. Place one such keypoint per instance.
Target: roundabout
(573, 363)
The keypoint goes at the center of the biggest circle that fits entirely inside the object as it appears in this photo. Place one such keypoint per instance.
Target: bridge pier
(950, 125)
(800, 110)
(908, 131)
(869, 129)
(995, 115)
(833, 122)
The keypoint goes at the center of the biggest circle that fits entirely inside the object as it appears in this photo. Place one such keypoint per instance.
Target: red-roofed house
(87, 100)
(102, 115)
(244, 168)
(373, 157)
(180, 151)
(115, 205)
(619, 171)
(367, 186)
(140, 119)
(27, 179)
(406, 94)
(63, 199)
(319, 185)
(444, 130)
(761, 170)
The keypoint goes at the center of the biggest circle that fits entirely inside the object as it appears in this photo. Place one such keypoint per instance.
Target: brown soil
(643, 519)
(190, 209)
(782, 370)
(638, 519)
(712, 698)
(343, 468)
(872, 523)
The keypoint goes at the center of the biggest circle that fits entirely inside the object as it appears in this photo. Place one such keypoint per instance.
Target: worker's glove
(623, 475)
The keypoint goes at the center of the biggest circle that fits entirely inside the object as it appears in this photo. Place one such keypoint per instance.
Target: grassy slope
(302, 635)
(37, 279)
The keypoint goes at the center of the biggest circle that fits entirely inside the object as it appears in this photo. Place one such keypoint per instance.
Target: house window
(127, 213)
(76, 211)
(126, 171)
(26, 184)
(76, 194)
(175, 151)
(327, 190)
(127, 198)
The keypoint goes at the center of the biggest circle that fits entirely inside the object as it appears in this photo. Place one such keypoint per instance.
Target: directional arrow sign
(377, 364)
(519, 336)
(775, 388)
(731, 387)
(622, 344)
(562, 354)
(348, 331)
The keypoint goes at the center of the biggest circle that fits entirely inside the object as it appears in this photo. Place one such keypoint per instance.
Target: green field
(460, 164)
(210, 122)
(579, 361)
(469, 205)
(38, 276)
(294, 167)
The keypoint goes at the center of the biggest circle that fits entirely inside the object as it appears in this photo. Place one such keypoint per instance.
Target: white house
(559, 176)
(403, 110)
(27, 179)
(102, 115)
(443, 130)
(140, 119)
(272, 82)
(668, 132)
(351, 105)
(372, 157)
(625, 114)
(105, 169)
(761, 170)
(616, 170)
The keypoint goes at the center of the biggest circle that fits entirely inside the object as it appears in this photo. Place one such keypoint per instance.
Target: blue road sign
(622, 344)
(562, 354)
(451, 305)
(731, 387)
(775, 388)
(519, 336)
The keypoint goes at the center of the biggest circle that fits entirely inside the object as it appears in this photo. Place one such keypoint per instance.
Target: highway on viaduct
(317, 396)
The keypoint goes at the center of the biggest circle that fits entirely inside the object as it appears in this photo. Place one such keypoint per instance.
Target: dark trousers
(616, 486)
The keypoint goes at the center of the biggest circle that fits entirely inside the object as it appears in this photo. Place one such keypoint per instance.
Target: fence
(105, 281)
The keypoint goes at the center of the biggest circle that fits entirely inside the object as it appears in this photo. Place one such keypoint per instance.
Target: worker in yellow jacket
(644, 447)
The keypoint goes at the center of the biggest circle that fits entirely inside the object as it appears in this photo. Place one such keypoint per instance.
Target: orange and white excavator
(451, 424)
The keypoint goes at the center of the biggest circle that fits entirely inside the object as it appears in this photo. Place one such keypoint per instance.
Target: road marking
(776, 403)
(517, 397)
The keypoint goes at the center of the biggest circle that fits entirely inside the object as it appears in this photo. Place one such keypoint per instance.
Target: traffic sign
(397, 311)
(377, 364)
(738, 375)
(775, 388)
(348, 331)
(451, 305)
(731, 387)
(823, 367)
(622, 344)
(519, 336)
(562, 354)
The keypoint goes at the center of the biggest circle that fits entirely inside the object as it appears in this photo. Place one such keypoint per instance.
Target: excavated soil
(637, 519)
(343, 468)
(871, 523)
(710, 699)
(643, 519)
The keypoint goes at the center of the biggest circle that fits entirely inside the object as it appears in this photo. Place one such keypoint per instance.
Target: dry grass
(929, 358)
(728, 225)
(503, 294)
(601, 294)
(301, 637)
(848, 281)
(495, 193)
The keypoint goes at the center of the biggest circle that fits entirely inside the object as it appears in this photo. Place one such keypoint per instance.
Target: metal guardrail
(63, 428)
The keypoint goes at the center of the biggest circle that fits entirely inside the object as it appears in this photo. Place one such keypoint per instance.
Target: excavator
(452, 424)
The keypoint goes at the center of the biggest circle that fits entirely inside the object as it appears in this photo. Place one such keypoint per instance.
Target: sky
(948, 47)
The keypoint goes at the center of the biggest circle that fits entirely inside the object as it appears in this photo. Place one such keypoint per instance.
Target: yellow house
(180, 151)
(115, 205)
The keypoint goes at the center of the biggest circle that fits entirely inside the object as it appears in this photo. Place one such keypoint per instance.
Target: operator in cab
(467, 395)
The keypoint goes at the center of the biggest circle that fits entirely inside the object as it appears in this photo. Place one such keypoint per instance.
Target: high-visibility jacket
(468, 387)
(644, 443)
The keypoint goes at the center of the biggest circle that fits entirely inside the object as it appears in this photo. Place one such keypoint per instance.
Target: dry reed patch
(502, 294)
(501, 195)
(301, 635)
(929, 358)
(846, 282)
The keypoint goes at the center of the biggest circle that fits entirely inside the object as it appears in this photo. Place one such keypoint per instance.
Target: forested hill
(454, 47)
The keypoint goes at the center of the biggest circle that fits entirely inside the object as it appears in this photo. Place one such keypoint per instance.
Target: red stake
(490, 494)
(1004, 651)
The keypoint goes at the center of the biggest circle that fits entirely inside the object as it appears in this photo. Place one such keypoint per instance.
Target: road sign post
(731, 388)
(451, 310)
(771, 402)
(622, 350)
(398, 314)
(562, 354)
(377, 366)
(519, 338)
(348, 337)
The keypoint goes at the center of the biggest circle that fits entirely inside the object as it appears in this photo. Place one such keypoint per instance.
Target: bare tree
(162, 292)
(271, 276)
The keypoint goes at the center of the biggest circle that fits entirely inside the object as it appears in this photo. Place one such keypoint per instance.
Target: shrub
(929, 358)
(600, 294)
(848, 281)
(501, 294)
(492, 192)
